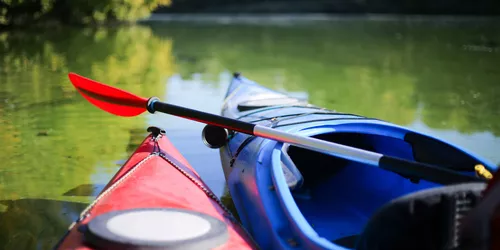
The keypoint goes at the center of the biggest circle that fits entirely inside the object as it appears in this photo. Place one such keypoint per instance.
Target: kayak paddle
(122, 103)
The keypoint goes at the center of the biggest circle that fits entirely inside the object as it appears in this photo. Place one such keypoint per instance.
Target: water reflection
(206, 93)
(85, 190)
(397, 71)
(53, 141)
(35, 223)
(57, 149)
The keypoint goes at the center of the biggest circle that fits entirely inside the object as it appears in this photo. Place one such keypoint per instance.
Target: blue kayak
(288, 197)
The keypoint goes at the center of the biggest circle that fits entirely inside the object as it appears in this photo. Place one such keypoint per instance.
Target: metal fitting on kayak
(150, 106)
(214, 137)
(483, 172)
(155, 131)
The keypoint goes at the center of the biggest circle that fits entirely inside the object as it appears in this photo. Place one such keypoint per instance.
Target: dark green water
(57, 150)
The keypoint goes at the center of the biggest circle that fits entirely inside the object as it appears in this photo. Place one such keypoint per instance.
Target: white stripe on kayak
(342, 151)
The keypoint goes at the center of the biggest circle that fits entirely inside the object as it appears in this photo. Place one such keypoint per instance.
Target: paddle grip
(425, 171)
(195, 115)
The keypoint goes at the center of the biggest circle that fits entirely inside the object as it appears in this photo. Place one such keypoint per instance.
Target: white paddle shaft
(346, 152)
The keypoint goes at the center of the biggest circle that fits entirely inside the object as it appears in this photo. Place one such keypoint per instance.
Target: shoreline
(309, 17)
(265, 19)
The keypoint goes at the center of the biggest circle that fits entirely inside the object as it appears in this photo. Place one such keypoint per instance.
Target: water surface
(58, 151)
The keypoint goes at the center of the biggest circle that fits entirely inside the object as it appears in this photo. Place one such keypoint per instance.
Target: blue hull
(291, 198)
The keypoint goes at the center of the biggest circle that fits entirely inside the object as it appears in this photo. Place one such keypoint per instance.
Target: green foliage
(21, 12)
(444, 75)
(98, 11)
(52, 139)
(27, 12)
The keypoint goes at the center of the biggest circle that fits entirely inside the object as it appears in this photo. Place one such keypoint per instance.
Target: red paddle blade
(107, 98)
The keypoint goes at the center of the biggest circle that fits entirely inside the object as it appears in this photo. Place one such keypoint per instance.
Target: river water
(437, 76)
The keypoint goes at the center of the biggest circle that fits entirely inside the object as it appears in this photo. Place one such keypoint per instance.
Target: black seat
(428, 219)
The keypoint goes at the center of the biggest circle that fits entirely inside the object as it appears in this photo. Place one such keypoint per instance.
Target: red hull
(157, 183)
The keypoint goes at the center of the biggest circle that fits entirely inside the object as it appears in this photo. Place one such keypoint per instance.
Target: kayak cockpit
(337, 197)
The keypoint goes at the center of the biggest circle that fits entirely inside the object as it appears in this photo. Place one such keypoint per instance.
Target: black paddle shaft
(425, 171)
(401, 166)
(216, 120)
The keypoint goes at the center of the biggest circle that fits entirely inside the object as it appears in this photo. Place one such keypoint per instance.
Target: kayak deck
(156, 177)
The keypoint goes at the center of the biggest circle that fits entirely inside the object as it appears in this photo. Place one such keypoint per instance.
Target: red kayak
(156, 201)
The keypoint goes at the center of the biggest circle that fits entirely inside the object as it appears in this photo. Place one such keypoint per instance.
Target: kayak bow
(156, 201)
(289, 197)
